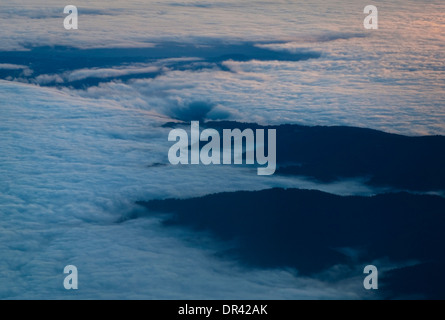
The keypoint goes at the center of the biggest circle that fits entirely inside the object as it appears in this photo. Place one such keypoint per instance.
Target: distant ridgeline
(329, 154)
(313, 231)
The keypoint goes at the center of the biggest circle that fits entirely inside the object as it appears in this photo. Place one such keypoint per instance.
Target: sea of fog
(74, 160)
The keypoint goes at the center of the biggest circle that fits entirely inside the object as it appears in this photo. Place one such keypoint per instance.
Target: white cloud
(324, 91)
(136, 22)
(390, 80)
(71, 167)
(49, 78)
(74, 161)
(100, 73)
(8, 66)
(108, 72)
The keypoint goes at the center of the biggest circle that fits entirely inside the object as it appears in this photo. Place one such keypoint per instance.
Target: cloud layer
(72, 167)
(82, 138)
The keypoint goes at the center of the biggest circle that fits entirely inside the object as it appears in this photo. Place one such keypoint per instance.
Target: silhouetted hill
(331, 153)
(305, 229)
(422, 281)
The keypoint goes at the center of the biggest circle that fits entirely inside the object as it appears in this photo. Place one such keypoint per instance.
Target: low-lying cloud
(75, 158)
(71, 167)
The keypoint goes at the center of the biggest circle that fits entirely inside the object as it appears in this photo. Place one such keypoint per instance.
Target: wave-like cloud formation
(71, 167)
(83, 139)
(243, 81)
